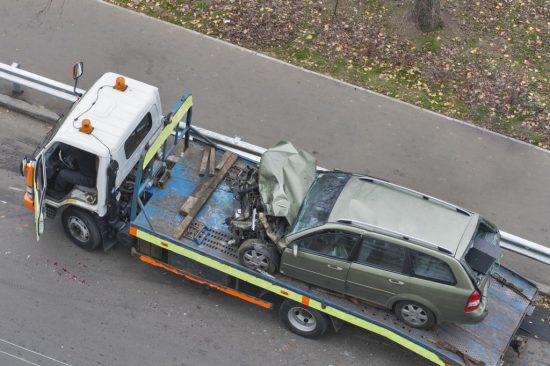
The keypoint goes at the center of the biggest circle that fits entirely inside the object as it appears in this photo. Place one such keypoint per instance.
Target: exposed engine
(250, 220)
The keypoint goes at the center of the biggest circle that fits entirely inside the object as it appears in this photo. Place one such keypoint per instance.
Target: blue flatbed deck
(207, 237)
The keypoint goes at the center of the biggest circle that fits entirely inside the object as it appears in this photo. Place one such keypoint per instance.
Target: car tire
(415, 315)
(303, 320)
(257, 255)
(81, 227)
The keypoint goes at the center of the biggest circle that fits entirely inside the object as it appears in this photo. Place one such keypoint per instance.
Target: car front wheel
(415, 315)
(256, 255)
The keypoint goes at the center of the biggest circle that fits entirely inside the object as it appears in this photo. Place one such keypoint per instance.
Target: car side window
(430, 268)
(333, 244)
(381, 254)
(138, 135)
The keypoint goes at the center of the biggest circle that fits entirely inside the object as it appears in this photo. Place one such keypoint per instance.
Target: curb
(38, 112)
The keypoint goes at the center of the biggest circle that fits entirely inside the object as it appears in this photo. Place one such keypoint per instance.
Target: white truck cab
(88, 155)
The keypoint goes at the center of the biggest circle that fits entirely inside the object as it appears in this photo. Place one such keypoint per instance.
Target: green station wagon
(427, 260)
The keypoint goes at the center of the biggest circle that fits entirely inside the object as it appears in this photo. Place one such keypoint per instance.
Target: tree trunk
(427, 15)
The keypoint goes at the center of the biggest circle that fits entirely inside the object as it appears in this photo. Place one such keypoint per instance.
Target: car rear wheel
(415, 315)
(82, 228)
(257, 255)
(303, 320)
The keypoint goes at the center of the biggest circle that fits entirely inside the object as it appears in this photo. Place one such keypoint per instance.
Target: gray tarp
(286, 173)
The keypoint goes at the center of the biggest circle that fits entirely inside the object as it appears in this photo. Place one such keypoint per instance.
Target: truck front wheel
(303, 320)
(82, 228)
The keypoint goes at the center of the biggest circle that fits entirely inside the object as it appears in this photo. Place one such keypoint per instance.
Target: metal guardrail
(21, 78)
(525, 247)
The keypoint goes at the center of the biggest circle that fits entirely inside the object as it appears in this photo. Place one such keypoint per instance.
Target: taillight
(473, 302)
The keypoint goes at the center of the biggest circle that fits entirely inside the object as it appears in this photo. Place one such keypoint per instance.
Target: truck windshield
(320, 199)
(51, 133)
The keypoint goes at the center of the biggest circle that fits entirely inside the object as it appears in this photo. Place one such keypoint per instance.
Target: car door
(39, 194)
(377, 273)
(321, 259)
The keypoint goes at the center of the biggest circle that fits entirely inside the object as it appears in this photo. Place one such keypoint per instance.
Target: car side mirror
(295, 249)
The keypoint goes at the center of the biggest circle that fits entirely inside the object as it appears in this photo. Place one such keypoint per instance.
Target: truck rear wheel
(303, 320)
(82, 228)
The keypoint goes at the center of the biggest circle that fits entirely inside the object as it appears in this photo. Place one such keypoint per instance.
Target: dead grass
(488, 63)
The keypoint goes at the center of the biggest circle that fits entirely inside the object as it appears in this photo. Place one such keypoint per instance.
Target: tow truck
(163, 188)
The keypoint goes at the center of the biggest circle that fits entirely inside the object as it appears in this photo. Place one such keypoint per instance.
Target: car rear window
(484, 249)
(320, 199)
(430, 268)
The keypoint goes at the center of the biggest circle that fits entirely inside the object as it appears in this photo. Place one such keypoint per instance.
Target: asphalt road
(237, 92)
(60, 305)
(89, 309)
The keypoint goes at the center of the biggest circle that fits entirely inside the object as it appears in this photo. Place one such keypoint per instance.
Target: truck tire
(415, 315)
(81, 227)
(257, 255)
(303, 320)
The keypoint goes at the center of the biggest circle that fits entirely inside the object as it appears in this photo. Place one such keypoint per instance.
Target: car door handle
(396, 282)
(334, 267)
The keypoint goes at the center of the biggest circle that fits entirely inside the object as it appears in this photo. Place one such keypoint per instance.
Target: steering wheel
(67, 161)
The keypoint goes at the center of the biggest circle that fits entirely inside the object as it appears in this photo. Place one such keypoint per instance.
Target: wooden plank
(204, 162)
(203, 194)
(212, 162)
(225, 156)
(188, 205)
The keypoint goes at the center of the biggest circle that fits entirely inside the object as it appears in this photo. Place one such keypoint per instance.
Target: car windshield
(320, 199)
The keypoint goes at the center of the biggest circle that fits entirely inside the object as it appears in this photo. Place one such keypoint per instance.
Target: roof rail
(415, 193)
(394, 234)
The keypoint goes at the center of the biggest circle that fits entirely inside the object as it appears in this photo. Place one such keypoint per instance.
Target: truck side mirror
(295, 249)
(78, 69)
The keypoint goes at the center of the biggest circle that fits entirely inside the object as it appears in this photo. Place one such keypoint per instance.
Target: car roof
(113, 114)
(399, 210)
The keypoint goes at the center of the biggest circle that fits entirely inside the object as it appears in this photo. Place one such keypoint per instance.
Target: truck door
(39, 196)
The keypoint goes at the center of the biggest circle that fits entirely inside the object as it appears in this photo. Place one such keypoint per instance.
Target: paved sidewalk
(240, 93)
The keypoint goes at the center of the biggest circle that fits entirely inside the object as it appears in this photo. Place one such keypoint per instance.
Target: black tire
(256, 255)
(415, 315)
(81, 227)
(303, 320)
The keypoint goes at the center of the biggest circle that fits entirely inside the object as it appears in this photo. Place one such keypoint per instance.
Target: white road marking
(31, 351)
(16, 189)
(19, 358)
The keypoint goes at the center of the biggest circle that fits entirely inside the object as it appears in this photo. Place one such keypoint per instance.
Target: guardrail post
(17, 89)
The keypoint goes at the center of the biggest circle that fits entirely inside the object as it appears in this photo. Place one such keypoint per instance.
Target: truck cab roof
(113, 114)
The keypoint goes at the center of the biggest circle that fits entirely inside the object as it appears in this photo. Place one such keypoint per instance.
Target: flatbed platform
(206, 241)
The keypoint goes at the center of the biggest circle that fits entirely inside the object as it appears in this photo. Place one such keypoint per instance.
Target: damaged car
(425, 259)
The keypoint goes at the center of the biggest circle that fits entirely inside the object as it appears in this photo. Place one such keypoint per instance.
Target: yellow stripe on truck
(260, 282)
(176, 118)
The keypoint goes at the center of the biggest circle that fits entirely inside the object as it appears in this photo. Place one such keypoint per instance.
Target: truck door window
(138, 135)
(378, 253)
(333, 244)
(430, 268)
